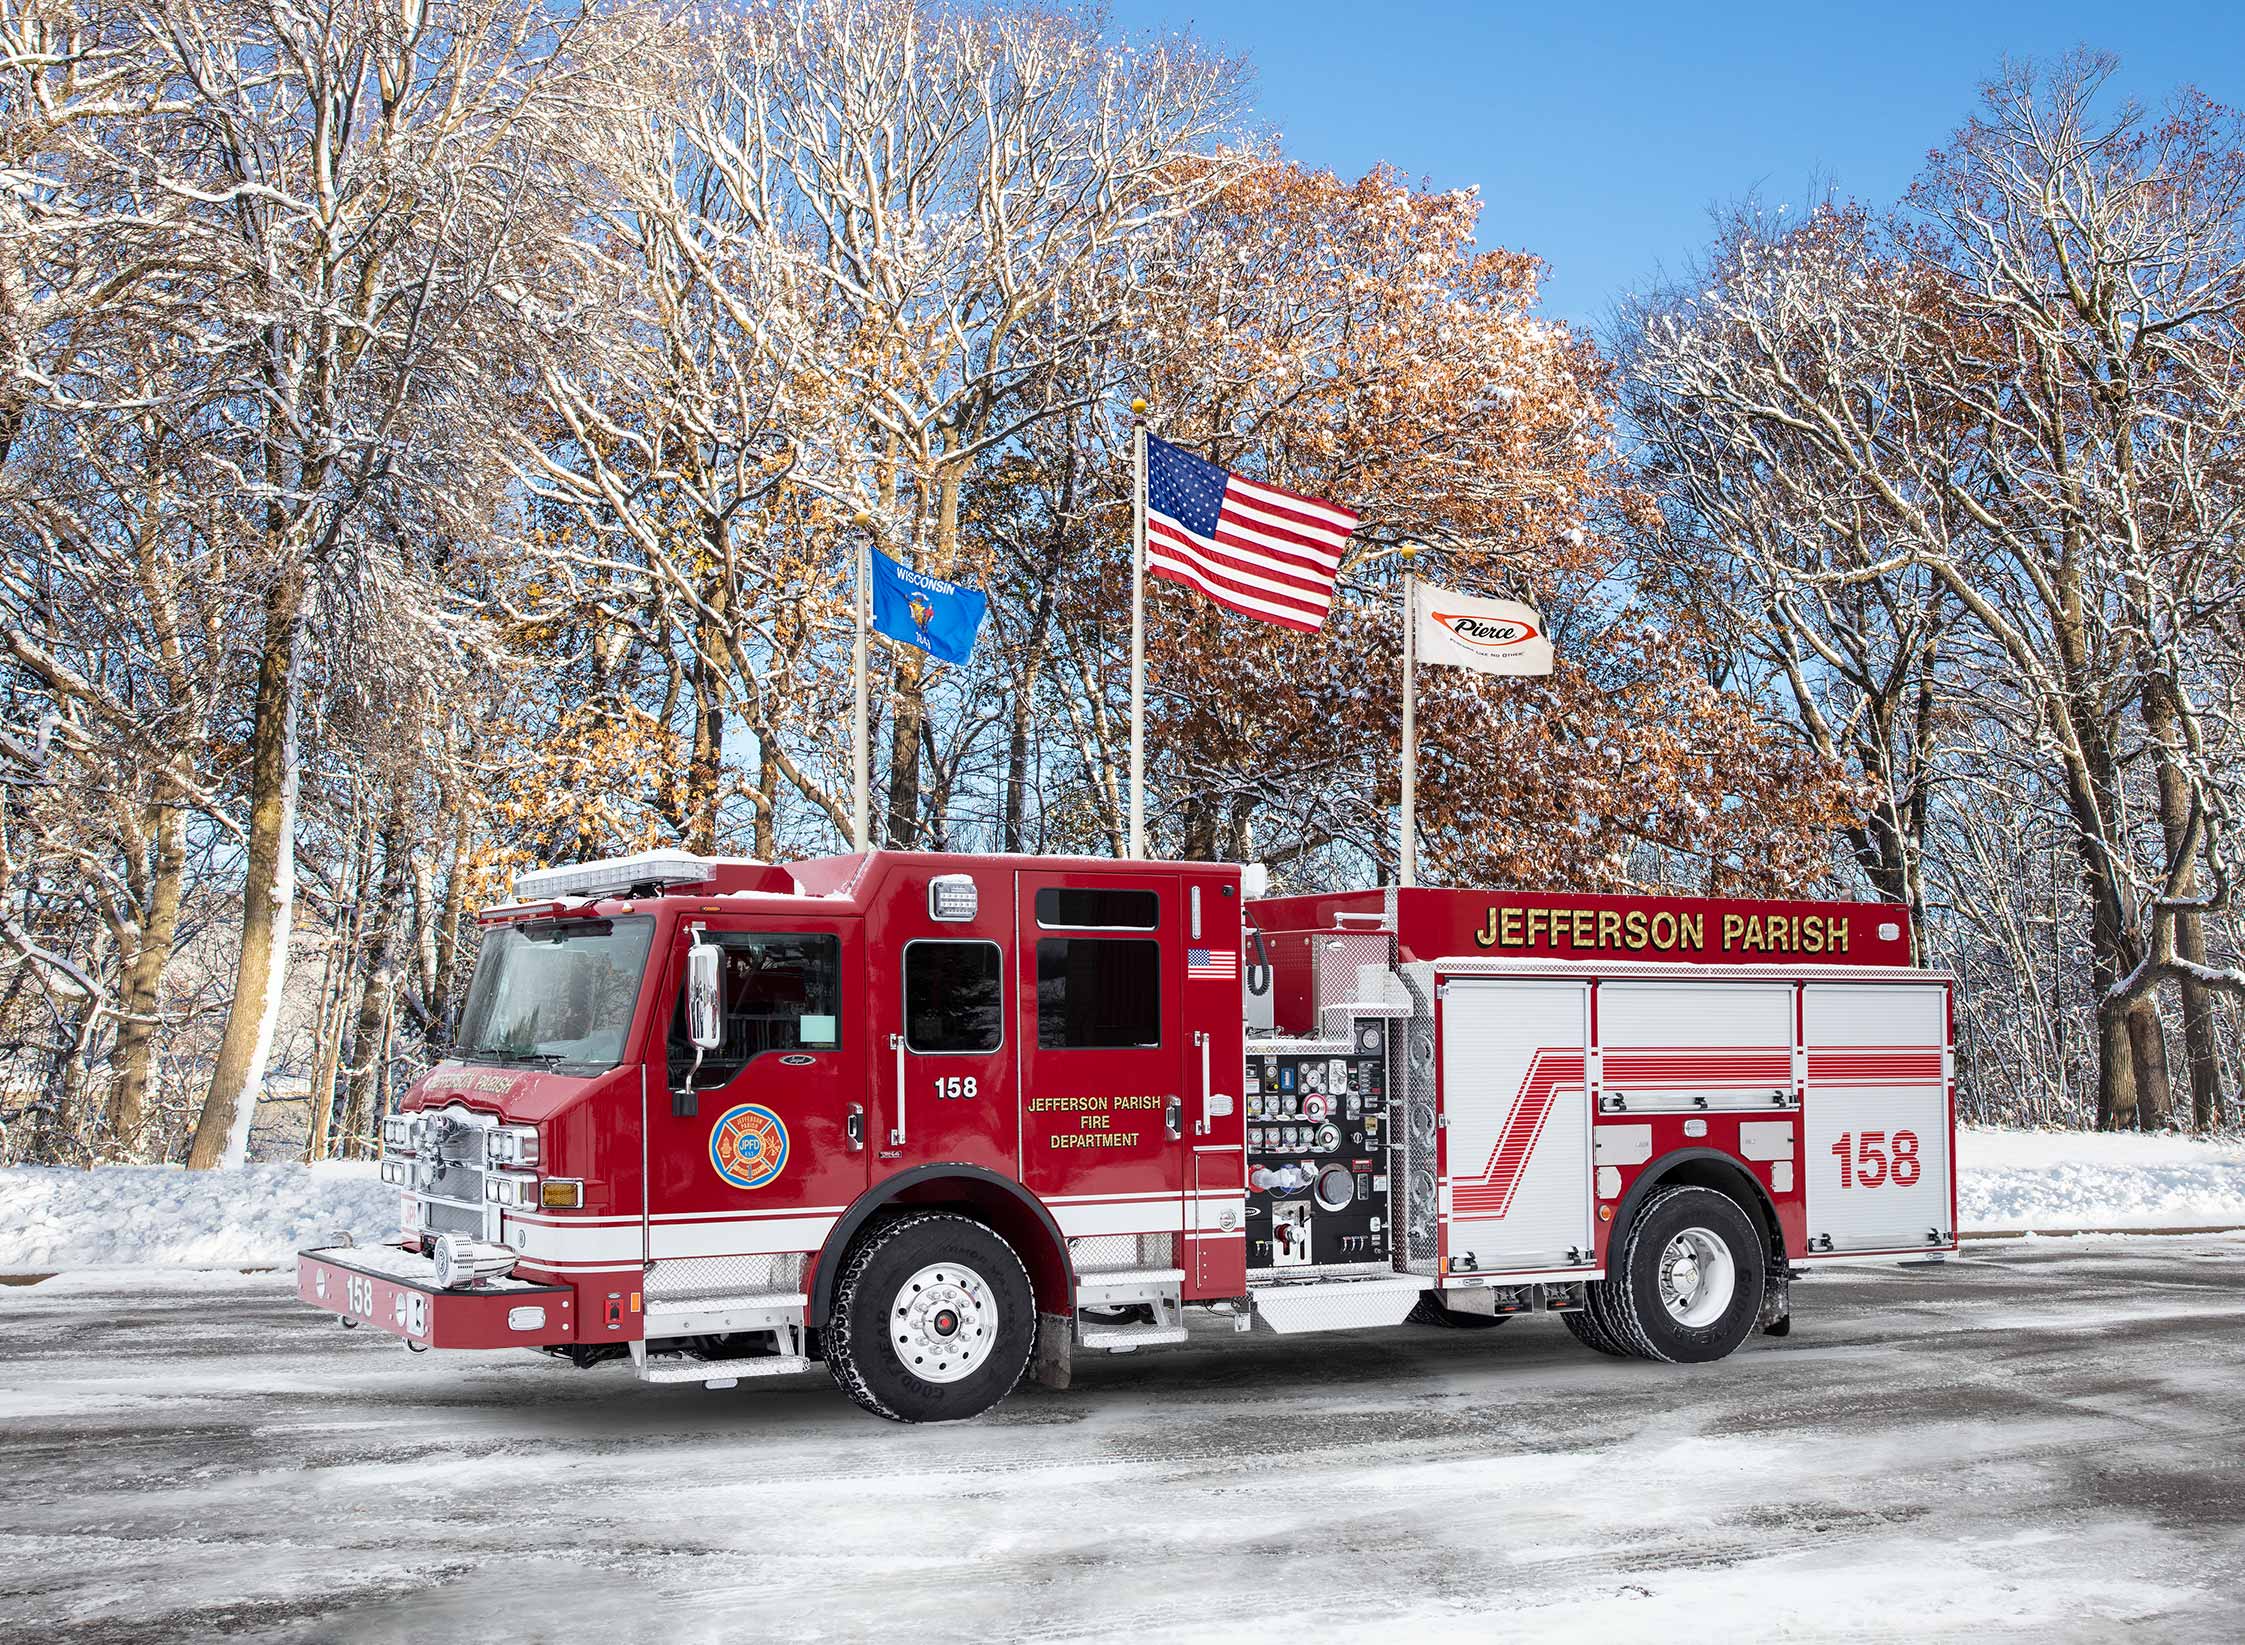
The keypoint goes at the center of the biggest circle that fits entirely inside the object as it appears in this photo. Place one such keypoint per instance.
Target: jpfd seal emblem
(748, 1145)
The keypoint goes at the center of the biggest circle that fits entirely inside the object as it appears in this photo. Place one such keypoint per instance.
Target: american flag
(1211, 964)
(1253, 548)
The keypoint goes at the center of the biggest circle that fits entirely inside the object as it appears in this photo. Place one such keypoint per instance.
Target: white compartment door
(1516, 1138)
(1676, 1047)
(1876, 1121)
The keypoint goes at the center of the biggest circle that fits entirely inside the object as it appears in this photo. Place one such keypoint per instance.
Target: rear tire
(1429, 1310)
(1582, 1324)
(934, 1320)
(1685, 1284)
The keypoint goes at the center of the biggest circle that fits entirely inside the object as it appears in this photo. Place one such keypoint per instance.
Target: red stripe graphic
(1873, 1065)
(1721, 1066)
(1549, 1070)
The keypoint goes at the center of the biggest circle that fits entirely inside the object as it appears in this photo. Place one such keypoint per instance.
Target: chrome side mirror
(705, 1025)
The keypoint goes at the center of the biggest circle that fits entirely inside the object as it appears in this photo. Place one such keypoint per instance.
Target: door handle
(1173, 1116)
(896, 1131)
(1202, 1125)
(854, 1127)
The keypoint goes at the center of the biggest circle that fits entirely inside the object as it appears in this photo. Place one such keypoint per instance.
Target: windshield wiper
(542, 1059)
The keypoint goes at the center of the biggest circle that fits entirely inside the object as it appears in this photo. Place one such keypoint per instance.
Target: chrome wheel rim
(1698, 1278)
(943, 1323)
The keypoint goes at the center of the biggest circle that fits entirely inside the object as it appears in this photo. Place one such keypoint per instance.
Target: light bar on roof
(612, 876)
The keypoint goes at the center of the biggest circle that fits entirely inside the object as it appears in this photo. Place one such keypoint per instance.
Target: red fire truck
(942, 1120)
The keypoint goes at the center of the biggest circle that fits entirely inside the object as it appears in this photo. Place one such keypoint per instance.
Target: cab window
(781, 991)
(953, 998)
(1098, 992)
(1098, 908)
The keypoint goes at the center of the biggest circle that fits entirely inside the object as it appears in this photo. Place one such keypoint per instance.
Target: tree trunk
(705, 767)
(268, 888)
(448, 929)
(2201, 1034)
(134, 1055)
(378, 983)
(902, 826)
(335, 989)
(2116, 1078)
(2201, 1046)
(2147, 1044)
(766, 845)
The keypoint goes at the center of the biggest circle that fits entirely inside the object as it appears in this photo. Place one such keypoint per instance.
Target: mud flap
(1777, 1302)
(1049, 1365)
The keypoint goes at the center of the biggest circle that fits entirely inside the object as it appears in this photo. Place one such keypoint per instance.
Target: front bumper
(396, 1291)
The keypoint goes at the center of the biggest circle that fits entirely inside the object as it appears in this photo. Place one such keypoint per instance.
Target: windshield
(555, 991)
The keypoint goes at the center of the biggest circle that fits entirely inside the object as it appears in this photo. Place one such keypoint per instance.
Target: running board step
(1121, 1339)
(717, 1316)
(721, 1373)
(1121, 1287)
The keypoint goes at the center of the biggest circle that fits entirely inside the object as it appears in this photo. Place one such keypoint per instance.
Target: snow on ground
(2034, 1444)
(260, 1216)
(135, 1216)
(2089, 1179)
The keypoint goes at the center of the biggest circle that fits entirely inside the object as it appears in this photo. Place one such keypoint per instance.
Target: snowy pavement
(2036, 1442)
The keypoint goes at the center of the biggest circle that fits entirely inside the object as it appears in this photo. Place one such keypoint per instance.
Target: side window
(1098, 991)
(781, 992)
(1098, 908)
(953, 998)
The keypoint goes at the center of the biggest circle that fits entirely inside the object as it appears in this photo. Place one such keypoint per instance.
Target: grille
(1121, 1253)
(450, 1219)
(451, 1181)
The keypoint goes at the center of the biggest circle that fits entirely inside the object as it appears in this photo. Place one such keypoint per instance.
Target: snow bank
(120, 1216)
(2088, 1179)
(131, 1216)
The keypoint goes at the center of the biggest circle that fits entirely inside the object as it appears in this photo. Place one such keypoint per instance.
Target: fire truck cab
(941, 1120)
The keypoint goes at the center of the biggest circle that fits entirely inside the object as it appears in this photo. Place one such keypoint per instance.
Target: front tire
(1686, 1283)
(934, 1320)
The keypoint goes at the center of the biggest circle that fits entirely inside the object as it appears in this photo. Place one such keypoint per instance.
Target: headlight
(505, 1145)
(397, 1173)
(515, 1188)
(397, 1135)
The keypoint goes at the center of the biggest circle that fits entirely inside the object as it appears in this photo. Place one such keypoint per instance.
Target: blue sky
(1600, 136)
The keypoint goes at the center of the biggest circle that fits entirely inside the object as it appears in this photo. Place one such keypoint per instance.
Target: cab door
(759, 1146)
(942, 1084)
(1103, 1056)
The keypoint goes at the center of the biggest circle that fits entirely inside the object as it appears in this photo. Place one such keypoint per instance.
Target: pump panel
(1317, 1151)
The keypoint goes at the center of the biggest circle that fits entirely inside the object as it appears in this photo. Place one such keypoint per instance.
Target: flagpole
(1407, 857)
(860, 796)
(1138, 629)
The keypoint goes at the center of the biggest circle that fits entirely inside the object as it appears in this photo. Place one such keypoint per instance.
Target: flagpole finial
(1409, 551)
(861, 520)
(1138, 408)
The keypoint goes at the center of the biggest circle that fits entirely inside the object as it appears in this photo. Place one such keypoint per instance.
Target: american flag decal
(1211, 964)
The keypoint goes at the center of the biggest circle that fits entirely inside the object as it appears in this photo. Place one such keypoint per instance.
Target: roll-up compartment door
(1516, 1113)
(1877, 1139)
(1668, 1047)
